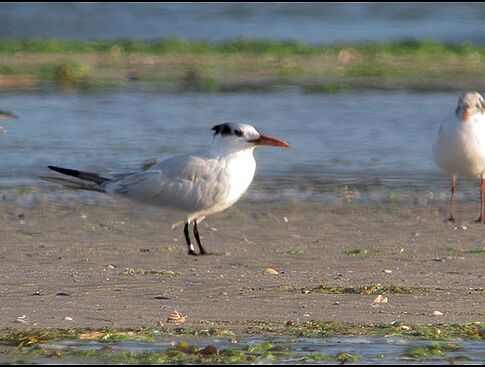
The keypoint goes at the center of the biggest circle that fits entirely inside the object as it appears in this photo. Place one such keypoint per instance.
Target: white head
(243, 136)
(469, 104)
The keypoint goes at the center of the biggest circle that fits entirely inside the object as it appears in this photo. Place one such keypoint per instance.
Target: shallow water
(308, 22)
(282, 350)
(366, 145)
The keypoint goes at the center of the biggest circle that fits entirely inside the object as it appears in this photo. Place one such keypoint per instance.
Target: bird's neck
(230, 150)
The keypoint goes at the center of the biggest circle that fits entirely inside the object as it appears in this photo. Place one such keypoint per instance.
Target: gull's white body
(460, 147)
(198, 184)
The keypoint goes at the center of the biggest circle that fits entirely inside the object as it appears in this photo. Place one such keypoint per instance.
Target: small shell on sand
(378, 300)
(177, 317)
(270, 271)
(21, 319)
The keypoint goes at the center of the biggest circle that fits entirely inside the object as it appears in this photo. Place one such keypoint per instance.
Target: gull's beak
(268, 140)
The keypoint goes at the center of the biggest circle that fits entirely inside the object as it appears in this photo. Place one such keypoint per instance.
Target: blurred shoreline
(174, 65)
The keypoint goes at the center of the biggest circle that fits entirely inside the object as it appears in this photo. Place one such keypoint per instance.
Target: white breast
(241, 167)
(460, 147)
(234, 175)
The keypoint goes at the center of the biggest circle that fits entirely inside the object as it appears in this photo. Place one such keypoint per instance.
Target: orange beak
(467, 114)
(268, 140)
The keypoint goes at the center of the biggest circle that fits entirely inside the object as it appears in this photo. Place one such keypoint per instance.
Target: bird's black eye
(238, 132)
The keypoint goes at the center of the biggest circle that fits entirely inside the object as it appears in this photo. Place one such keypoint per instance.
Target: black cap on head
(223, 129)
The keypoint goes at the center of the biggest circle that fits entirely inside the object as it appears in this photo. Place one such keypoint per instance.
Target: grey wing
(442, 136)
(436, 143)
(186, 183)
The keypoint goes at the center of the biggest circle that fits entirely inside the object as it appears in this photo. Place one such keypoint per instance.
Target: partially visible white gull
(460, 146)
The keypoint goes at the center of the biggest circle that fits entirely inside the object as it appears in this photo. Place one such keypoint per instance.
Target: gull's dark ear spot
(223, 129)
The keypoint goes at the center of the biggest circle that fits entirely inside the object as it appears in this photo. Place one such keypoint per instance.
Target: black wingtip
(65, 171)
(89, 176)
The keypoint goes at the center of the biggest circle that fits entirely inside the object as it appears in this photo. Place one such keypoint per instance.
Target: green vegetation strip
(364, 289)
(28, 337)
(238, 46)
(357, 251)
(476, 251)
(181, 353)
(430, 351)
(29, 345)
(243, 63)
(185, 353)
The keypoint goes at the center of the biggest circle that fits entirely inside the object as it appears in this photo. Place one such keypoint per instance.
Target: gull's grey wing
(188, 183)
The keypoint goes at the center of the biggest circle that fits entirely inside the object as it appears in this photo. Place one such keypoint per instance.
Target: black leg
(187, 239)
(197, 238)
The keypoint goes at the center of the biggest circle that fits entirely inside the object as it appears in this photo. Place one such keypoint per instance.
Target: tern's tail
(95, 181)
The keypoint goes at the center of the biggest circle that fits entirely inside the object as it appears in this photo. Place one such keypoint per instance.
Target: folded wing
(188, 183)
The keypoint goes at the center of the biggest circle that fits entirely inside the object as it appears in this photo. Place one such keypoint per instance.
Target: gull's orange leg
(482, 189)
(452, 201)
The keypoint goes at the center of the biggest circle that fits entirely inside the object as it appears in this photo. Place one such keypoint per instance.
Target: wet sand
(72, 264)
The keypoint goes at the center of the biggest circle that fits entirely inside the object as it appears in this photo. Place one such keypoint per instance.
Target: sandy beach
(116, 264)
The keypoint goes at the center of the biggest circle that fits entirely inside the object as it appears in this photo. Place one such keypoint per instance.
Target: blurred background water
(359, 145)
(308, 22)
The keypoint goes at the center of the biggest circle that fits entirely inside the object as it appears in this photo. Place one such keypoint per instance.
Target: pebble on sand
(270, 271)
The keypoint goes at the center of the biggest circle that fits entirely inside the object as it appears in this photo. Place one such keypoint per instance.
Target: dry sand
(65, 264)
